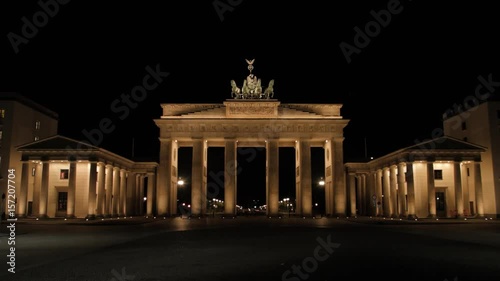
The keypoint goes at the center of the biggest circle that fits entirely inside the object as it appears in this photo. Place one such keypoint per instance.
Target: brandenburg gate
(251, 118)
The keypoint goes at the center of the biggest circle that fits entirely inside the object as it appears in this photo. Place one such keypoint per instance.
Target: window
(33, 172)
(37, 138)
(64, 175)
(2, 113)
(62, 201)
(438, 174)
(37, 125)
(468, 172)
(464, 126)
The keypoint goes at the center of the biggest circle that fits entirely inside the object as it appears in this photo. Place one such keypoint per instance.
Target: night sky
(397, 84)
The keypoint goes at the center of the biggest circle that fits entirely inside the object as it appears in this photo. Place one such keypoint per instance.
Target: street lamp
(321, 181)
(180, 182)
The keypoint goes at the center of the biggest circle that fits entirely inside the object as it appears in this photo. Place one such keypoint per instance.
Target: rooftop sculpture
(252, 87)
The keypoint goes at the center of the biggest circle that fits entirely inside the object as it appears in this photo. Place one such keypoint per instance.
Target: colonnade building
(438, 178)
(62, 177)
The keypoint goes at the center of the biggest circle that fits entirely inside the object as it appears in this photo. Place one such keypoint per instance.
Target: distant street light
(321, 182)
(180, 182)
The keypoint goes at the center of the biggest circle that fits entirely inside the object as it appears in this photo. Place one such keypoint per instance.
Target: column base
(70, 217)
(432, 216)
(42, 217)
(412, 217)
(90, 217)
(340, 216)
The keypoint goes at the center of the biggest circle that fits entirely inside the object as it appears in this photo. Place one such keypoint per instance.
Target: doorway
(440, 202)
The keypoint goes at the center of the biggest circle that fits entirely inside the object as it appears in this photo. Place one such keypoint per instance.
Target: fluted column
(478, 186)
(70, 210)
(339, 177)
(304, 181)
(366, 196)
(329, 196)
(431, 189)
(108, 185)
(115, 197)
(272, 177)
(100, 189)
(378, 189)
(44, 190)
(23, 194)
(130, 205)
(402, 190)
(386, 191)
(141, 194)
(150, 195)
(123, 193)
(91, 206)
(393, 191)
(410, 190)
(459, 197)
(199, 184)
(352, 193)
(359, 195)
(230, 173)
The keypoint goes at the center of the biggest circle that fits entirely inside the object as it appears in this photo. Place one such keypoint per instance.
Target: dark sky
(418, 64)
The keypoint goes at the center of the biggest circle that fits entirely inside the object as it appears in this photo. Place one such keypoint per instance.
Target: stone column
(230, 173)
(372, 191)
(402, 190)
(387, 192)
(151, 192)
(366, 196)
(411, 190)
(329, 196)
(115, 197)
(44, 190)
(478, 186)
(459, 197)
(163, 176)
(141, 194)
(108, 185)
(305, 188)
(339, 177)
(378, 189)
(352, 193)
(272, 177)
(198, 177)
(431, 189)
(394, 193)
(137, 194)
(100, 189)
(123, 193)
(359, 195)
(91, 209)
(130, 194)
(22, 203)
(70, 211)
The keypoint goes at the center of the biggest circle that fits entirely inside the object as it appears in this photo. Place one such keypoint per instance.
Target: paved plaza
(252, 248)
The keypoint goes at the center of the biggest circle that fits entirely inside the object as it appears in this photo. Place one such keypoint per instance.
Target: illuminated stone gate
(252, 118)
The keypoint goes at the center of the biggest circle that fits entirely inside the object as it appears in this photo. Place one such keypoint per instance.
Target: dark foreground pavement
(253, 248)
